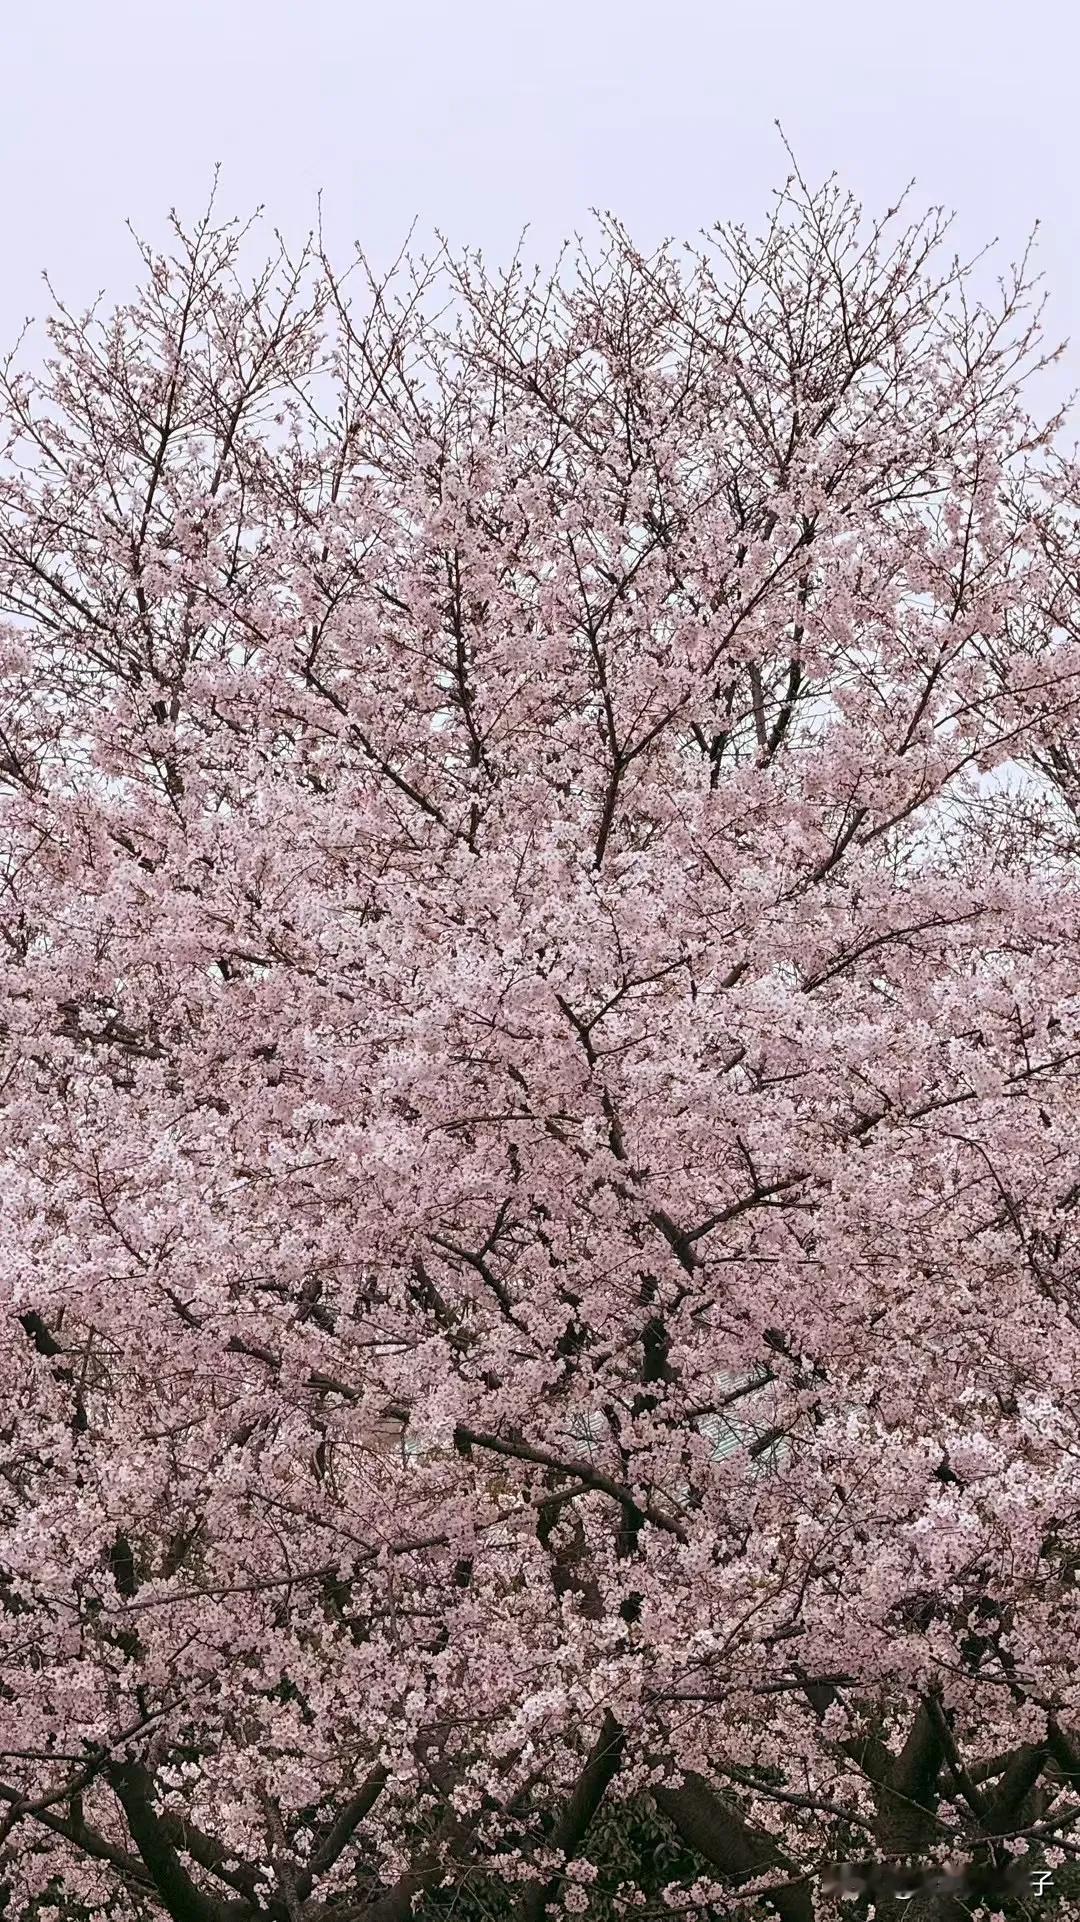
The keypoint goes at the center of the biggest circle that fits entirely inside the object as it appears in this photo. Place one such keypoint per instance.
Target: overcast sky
(481, 116)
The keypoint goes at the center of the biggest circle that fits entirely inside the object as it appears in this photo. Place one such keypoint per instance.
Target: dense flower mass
(540, 1128)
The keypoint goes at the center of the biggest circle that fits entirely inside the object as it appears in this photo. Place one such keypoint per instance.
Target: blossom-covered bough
(538, 1043)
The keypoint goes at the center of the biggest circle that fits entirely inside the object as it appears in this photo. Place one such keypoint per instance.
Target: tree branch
(585, 1798)
(132, 1786)
(716, 1831)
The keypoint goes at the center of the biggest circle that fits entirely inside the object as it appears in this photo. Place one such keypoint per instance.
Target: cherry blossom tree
(540, 1121)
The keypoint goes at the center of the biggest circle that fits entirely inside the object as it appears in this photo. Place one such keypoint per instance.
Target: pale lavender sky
(481, 115)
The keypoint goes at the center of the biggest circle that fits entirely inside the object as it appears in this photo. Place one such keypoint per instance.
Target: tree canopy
(538, 1042)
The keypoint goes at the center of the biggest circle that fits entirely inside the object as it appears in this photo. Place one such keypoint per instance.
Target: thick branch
(131, 1784)
(341, 1832)
(81, 1837)
(585, 1798)
(583, 1472)
(716, 1831)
